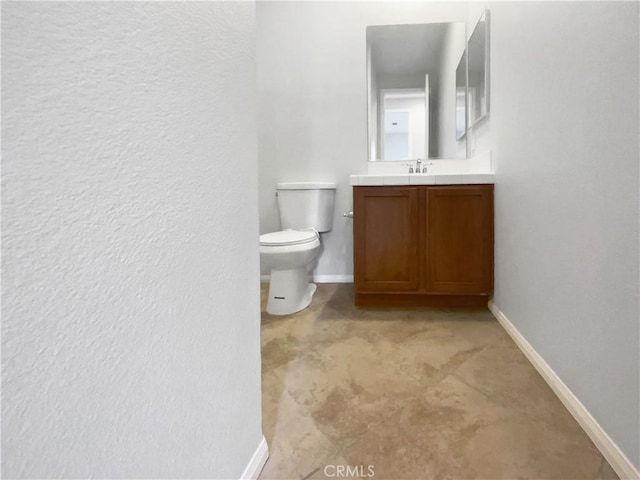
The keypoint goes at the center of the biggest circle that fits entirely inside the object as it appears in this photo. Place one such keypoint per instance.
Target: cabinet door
(386, 238)
(460, 239)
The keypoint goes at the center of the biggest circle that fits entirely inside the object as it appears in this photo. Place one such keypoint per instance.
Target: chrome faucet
(424, 166)
(421, 166)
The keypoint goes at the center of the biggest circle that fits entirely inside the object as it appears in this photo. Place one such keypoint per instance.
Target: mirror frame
(471, 122)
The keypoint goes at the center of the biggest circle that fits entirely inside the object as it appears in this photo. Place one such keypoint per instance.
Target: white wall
(312, 103)
(130, 307)
(564, 127)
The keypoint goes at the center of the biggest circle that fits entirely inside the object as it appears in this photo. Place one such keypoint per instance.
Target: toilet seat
(288, 237)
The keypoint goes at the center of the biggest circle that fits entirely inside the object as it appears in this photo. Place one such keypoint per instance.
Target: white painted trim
(611, 452)
(256, 464)
(319, 278)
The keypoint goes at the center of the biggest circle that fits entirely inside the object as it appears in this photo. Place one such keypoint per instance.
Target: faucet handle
(424, 168)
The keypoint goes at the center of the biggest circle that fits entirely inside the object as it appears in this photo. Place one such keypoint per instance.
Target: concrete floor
(409, 393)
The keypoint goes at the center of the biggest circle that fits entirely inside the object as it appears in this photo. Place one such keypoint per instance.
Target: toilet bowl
(288, 254)
(306, 210)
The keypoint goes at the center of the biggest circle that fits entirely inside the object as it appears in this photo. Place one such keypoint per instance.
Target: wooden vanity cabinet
(387, 238)
(423, 245)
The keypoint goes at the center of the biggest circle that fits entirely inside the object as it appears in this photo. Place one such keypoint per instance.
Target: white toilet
(306, 210)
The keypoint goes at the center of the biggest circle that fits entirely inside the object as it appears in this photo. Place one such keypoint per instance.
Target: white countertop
(422, 179)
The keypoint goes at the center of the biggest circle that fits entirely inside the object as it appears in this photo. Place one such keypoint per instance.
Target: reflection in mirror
(403, 118)
(411, 77)
(479, 70)
(461, 96)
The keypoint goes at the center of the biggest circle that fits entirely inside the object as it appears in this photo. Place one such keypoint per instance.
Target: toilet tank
(306, 204)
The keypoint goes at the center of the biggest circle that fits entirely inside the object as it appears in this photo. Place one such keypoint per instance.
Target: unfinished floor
(409, 393)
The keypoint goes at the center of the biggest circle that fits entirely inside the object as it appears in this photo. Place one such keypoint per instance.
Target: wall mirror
(478, 65)
(412, 91)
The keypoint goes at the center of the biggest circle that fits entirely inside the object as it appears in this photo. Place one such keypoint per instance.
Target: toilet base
(289, 291)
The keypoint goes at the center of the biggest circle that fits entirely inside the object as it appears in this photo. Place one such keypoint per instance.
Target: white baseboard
(256, 464)
(319, 278)
(618, 461)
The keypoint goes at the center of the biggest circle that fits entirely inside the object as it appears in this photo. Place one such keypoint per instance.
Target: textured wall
(564, 127)
(312, 102)
(130, 307)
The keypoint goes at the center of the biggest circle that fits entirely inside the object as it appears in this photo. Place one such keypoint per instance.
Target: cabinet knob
(348, 214)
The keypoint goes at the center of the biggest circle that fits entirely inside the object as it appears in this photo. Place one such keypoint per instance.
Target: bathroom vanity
(423, 245)
(423, 235)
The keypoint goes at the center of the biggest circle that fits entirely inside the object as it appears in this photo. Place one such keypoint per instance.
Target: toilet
(306, 210)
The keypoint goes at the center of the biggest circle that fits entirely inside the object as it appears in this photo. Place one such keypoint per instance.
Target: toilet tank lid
(306, 186)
